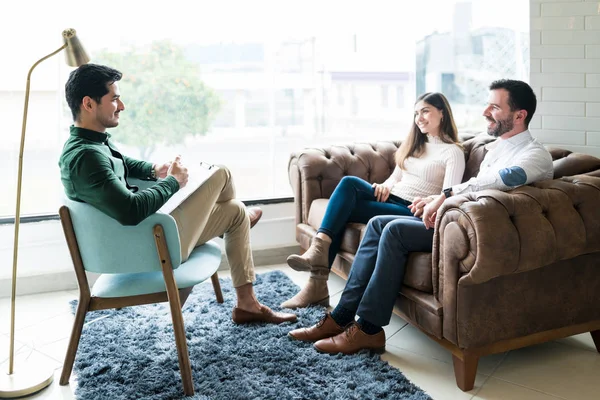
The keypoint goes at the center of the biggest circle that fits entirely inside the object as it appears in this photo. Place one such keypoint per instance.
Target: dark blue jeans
(353, 200)
(378, 269)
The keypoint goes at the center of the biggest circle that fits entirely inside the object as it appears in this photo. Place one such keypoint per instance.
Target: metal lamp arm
(18, 212)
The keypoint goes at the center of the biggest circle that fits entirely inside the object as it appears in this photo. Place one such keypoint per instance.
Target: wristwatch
(447, 192)
(153, 172)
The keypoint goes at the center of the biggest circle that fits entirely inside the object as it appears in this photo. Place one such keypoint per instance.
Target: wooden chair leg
(182, 350)
(465, 369)
(184, 294)
(82, 309)
(596, 337)
(175, 304)
(217, 286)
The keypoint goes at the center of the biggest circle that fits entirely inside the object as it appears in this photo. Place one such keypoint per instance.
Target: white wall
(565, 73)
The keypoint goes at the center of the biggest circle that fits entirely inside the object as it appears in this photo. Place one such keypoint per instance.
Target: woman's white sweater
(440, 166)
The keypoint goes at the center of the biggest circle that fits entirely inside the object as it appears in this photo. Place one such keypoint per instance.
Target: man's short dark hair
(520, 96)
(88, 80)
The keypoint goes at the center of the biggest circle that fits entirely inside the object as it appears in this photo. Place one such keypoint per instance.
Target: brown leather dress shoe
(267, 315)
(351, 341)
(325, 328)
(255, 213)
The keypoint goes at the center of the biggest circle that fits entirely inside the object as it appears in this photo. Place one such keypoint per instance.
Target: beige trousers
(211, 211)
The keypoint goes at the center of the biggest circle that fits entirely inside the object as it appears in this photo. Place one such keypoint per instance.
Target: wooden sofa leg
(217, 287)
(465, 369)
(596, 337)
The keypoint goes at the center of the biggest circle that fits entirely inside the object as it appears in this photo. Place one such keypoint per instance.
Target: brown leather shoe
(351, 341)
(325, 328)
(267, 315)
(255, 213)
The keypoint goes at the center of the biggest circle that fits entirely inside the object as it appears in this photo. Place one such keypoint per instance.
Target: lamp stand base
(29, 380)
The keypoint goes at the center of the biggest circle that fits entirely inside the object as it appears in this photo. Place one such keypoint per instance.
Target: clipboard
(197, 177)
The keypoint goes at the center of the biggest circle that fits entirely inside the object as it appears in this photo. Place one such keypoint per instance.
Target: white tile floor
(564, 369)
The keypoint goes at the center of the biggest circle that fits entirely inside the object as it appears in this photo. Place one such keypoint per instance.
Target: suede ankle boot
(317, 256)
(315, 292)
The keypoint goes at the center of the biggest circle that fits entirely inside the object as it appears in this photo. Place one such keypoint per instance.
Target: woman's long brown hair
(414, 144)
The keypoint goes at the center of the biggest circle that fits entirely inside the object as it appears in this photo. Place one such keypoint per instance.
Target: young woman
(428, 160)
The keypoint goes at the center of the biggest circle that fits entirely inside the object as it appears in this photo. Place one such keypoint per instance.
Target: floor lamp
(32, 379)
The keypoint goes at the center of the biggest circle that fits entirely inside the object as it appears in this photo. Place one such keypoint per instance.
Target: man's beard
(107, 123)
(502, 126)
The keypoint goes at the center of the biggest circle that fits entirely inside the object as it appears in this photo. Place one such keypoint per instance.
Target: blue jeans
(378, 269)
(353, 200)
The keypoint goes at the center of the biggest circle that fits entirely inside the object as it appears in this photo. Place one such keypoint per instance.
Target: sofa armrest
(315, 172)
(487, 240)
(484, 235)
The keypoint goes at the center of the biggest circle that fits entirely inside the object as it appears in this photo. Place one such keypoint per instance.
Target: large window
(246, 83)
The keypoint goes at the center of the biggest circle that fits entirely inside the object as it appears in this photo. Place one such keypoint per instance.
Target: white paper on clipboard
(197, 176)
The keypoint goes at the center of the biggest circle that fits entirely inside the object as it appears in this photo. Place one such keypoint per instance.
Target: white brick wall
(565, 73)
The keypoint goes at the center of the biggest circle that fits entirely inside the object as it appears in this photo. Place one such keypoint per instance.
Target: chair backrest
(106, 246)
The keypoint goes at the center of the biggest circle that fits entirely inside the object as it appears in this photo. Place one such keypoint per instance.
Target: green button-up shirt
(93, 171)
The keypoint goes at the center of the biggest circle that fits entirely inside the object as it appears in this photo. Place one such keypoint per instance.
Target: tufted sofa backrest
(474, 152)
(315, 172)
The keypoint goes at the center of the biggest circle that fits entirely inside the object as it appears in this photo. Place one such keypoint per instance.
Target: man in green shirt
(95, 172)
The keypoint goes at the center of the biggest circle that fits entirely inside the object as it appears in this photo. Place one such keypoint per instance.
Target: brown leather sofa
(508, 269)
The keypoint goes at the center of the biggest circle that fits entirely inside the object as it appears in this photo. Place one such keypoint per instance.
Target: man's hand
(418, 204)
(430, 211)
(178, 171)
(161, 170)
(381, 192)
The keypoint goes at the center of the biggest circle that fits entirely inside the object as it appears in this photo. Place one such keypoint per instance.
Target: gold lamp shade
(74, 53)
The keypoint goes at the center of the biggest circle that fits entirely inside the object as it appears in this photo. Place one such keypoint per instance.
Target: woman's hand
(381, 192)
(430, 211)
(418, 204)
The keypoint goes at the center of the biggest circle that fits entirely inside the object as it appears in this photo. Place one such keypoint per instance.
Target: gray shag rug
(131, 354)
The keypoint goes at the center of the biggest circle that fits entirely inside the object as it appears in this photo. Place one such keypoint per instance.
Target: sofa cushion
(317, 212)
(418, 270)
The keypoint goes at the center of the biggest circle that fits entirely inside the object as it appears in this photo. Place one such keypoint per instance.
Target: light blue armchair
(137, 265)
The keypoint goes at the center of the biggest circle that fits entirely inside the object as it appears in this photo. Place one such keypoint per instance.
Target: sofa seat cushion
(418, 270)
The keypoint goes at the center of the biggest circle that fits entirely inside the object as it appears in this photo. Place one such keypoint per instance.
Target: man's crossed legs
(212, 210)
(375, 279)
